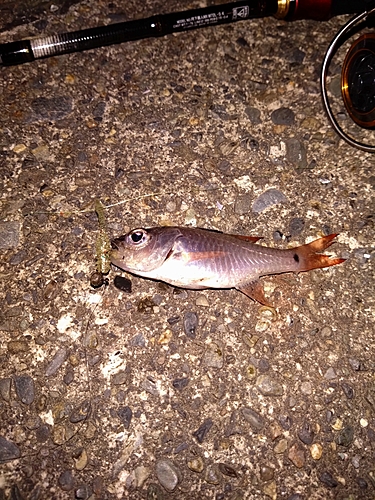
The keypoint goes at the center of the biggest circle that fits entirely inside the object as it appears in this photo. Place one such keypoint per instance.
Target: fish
(197, 258)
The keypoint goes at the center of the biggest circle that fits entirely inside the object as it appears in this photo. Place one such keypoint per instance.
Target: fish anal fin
(254, 289)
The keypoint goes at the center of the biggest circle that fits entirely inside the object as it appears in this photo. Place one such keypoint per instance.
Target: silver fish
(200, 258)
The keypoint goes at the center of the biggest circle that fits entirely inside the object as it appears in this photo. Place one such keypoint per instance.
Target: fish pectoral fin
(254, 290)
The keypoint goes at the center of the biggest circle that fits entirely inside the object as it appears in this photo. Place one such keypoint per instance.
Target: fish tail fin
(308, 257)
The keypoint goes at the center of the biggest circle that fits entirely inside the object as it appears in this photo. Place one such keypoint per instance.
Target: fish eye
(138, 236)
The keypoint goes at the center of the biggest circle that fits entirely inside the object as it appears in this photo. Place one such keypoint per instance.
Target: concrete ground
(164, 393)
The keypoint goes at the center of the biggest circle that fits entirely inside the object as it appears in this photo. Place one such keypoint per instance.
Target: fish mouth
(116, 242)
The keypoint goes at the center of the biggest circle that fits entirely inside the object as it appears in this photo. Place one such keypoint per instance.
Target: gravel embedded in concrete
(154, 392)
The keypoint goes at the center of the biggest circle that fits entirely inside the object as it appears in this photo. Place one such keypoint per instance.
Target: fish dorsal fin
(254, 290)
(253, 239)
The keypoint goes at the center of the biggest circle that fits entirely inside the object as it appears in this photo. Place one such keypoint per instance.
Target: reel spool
(357, 78)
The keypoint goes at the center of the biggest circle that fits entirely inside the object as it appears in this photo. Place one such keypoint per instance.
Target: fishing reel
(357, 77)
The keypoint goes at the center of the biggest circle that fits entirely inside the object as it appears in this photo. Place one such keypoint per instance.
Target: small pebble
(150, 385)
(337, 424)
(268, 386)
(326, 331)
(41, 152)
(234, 426)
(275, 431)
(138, 340)
(181, 447)
(83, 492)
(9, 235)
(296, 226)
(196, 464)
(251, 371)
(277, 235)
(165, 337)
(306, 434)
(266, 472)
(8, 450)
(18, 258)
(66, 480)
(43, 433)
(52, 108)
(363, 422)
(57, 361)
(202, 301)
(141, 474)
(154, 492)
(362, 483)
(270, 489)
(81, 460)
(242, 204)
(285, 422)
(25, 388)
(180, 383)
(213, 475)
(281, 446)
(68, 376)
(253, 114)
(356, 461)
(123, 284)
(316, 451)
(224, 166)
(190, 324)
(51, 290)
(295, 56)
(81, 412)
(17, 346)
(263, 365)
(306, 388)
(355, 364)
(201, 433)
(330, 374)
(120, 378)
(348, 390)
(345, 436)
(5, 386)
(296, 154)
(19, 148)
(282, 116)
(297, 456)
(214, 356)
(328, 480)
(255, 420)
(173, 320)
(371, 434)
(97, 279)
(125, 414)
(268, 199)
(168, 474)
(227, 470)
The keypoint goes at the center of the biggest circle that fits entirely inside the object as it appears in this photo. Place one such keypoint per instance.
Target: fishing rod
(23, 51)
(358, 75)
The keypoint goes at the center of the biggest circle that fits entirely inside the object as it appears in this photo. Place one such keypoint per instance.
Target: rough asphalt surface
(164, 393)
